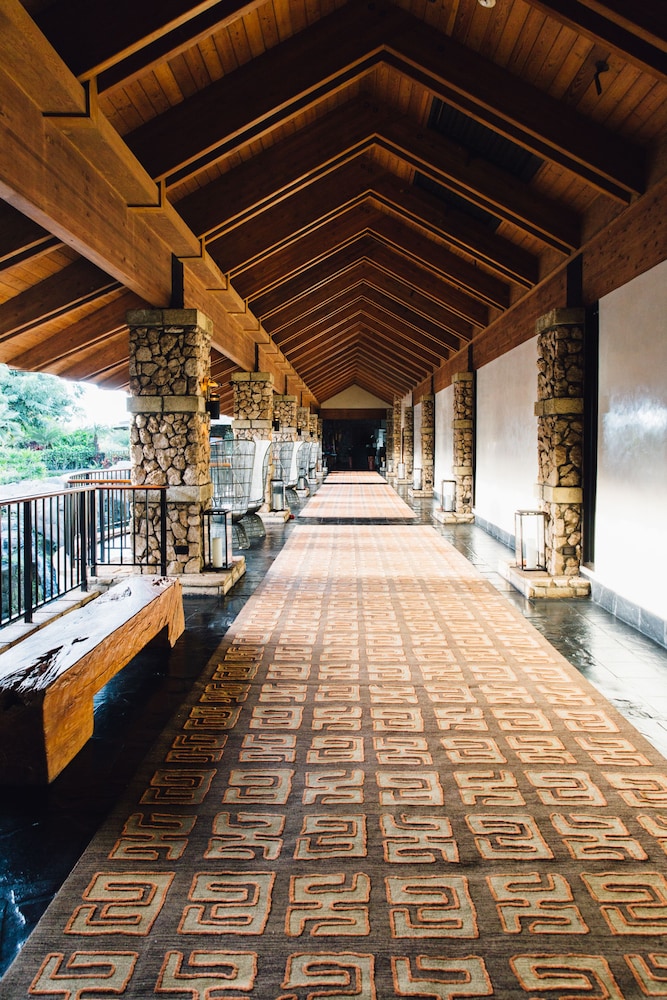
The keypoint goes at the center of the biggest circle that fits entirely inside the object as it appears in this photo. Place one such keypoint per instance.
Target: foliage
(35, 411)
(34, 406)
(18, 464)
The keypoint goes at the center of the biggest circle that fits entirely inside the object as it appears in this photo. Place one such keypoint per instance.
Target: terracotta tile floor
(43, 832)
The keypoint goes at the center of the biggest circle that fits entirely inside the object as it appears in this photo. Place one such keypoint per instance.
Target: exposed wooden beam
(367, 248)
(351, 130)
(405, 297)
(644, 47)
(93, 37)
(406, 240)
(105, 322)
(352, 183)
(73, 286)
(347, 44)
(22, 239)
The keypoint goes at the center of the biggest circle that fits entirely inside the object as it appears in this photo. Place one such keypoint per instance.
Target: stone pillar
(408, 441)
(398, 434)
(253, 405)
(463, 430)
(303, 422)
(389, 443)
(428, 444)
(169, 434)
(284, 411)
(559, 410)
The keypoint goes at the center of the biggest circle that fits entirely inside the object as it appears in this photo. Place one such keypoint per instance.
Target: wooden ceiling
(353, 191)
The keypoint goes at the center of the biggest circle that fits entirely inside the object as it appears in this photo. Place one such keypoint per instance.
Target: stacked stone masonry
(389, 440)
(559, 410)
(398, 424)
(253, 405)
(463, 436)
(408, 441)
(169, 434)
(428, 442)
(285, 413)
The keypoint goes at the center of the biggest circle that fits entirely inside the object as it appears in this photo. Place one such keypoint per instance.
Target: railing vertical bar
(83, 544)
(163, 531)
(27, 562)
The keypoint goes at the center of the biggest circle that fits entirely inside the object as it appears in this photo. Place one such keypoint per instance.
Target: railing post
(83, 542)
(27, 562)
(163, 531)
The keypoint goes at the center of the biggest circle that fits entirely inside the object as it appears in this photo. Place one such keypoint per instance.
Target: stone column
(284, 411)
(253, 405)
(303, 422)
(463, 429)
(169, 434)
(398, 434)
(408, 441)
(389, 443)
(428, 444)
(559, 410)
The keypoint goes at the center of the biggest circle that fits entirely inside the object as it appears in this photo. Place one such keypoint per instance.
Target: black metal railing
(52, 543)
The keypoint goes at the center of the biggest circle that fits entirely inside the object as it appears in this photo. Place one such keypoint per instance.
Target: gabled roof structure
(356, 192)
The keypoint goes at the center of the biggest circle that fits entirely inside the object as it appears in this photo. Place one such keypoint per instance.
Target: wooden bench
(48, 681)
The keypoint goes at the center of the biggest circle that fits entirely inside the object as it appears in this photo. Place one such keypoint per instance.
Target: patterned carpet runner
(358, 496)
(386, 784)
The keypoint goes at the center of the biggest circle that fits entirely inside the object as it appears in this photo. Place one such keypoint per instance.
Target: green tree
(34, 405)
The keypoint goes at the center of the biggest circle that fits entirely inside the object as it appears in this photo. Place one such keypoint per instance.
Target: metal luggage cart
(231, 474)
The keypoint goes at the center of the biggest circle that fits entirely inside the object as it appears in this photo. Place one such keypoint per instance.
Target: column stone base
(538, 583)
(451, 517)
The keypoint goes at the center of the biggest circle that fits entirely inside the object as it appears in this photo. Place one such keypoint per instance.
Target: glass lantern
(448, 495)
(530, 546)
(218, 539)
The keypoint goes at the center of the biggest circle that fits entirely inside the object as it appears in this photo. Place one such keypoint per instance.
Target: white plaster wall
(417, 446)
(631, 508)
(444, 438)
(506, 436)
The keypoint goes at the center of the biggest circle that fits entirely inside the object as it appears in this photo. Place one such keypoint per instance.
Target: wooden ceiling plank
(126, 68)
(346, 45)
(435, 321)
(94, 37)
(289, 77)
(281, 169)
(330, 195)
(520, 111)
(104, 322)
(462, 276)
(647, 20)
(458, 230)
(646, 53)
(411, 340)
(348, 131)
(78, 283)
(491, 188)
(22, 239)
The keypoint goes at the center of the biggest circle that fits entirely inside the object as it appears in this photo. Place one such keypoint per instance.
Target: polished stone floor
(44, 831)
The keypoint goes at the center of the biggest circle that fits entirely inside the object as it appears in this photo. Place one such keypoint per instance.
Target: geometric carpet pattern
(356, 496)
(385, 784)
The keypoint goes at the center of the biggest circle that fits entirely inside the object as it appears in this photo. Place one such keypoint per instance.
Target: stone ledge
(560, 494)
(451, 517)
(166, 404)
(275, 516)
(559, 406)
(538, 583)
(560, 317)
(170, 318)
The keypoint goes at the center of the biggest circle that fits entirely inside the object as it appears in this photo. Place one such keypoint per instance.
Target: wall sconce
(448, 495)
(207, 386)
(529, 539)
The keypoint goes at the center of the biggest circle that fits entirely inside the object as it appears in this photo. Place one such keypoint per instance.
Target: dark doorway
(353, 444)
